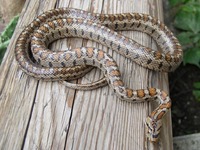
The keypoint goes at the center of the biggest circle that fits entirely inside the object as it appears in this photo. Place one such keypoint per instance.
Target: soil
(185, 107)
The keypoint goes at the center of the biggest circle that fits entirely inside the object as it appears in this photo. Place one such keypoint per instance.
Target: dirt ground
(185, 108)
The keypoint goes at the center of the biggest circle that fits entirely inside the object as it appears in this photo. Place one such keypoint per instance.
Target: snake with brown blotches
(74, 63)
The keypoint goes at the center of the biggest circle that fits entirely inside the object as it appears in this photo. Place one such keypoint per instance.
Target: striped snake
(75, 63)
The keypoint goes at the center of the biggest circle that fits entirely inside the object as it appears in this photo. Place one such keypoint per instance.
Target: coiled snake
(72, 63)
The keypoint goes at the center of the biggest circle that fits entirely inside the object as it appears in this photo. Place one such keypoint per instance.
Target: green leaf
(198, 44)
(188, 18)
(197, 85)
(195, 38)
(173, 3)
(185, 37)
(8, 32)
(3, 47)
(196, 93)
(189, 38)
(192, 56)
(6, 35)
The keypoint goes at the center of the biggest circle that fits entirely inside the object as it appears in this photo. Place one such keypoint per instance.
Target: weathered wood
(10, 8)
(46, 115)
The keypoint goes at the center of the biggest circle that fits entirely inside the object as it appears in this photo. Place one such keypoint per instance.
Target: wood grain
(9, 9)
(46, 115)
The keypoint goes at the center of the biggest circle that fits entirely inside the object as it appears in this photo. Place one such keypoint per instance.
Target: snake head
(153, 129)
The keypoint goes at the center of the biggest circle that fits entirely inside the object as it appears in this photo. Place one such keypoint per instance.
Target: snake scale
(74, 63)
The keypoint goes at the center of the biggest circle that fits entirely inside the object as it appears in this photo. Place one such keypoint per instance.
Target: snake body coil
(73, 63)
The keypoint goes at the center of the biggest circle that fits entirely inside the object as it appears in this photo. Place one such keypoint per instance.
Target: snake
(37, 60)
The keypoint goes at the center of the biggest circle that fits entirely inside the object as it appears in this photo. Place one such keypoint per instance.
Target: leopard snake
(74, 63)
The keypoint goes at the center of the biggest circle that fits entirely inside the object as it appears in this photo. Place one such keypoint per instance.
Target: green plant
(187, 21)
(6, 36)
(196, 92)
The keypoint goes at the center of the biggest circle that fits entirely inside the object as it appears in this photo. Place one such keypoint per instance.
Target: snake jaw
(153, 129)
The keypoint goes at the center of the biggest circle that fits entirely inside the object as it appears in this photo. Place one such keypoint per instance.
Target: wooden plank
(46, 115)
(10, 9)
